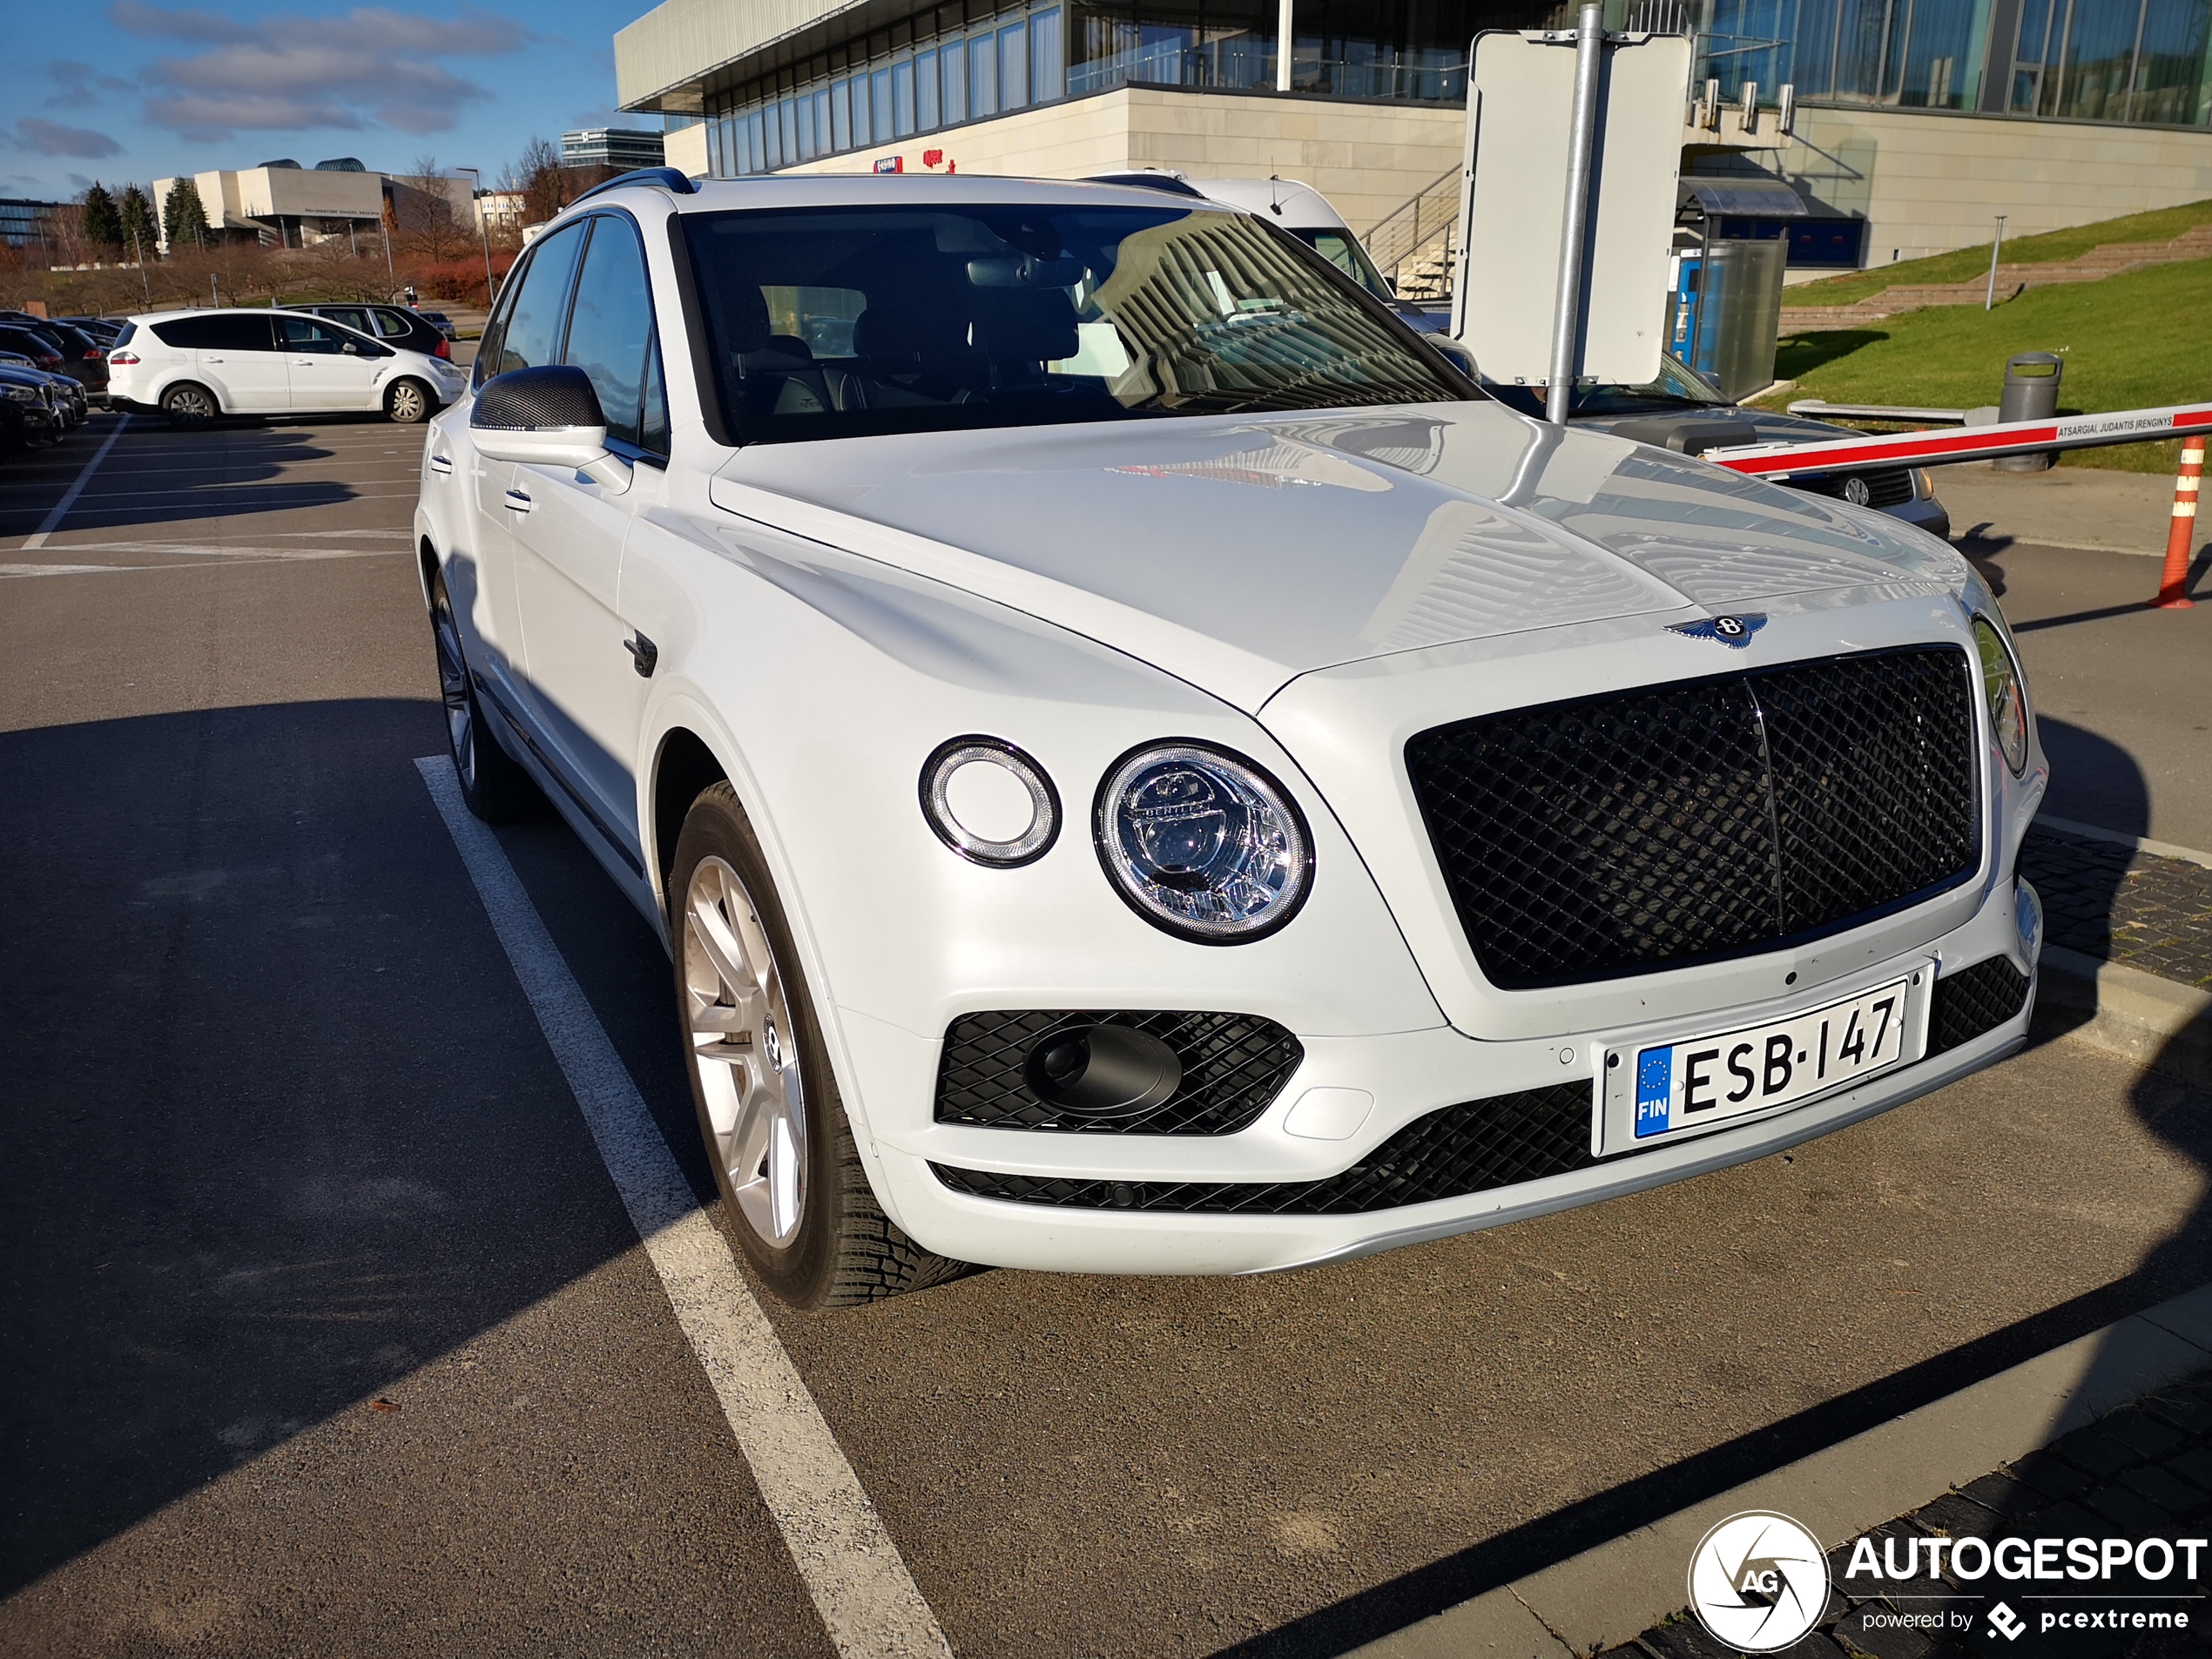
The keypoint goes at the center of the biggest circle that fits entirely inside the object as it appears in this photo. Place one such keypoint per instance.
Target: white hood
(1241, 552)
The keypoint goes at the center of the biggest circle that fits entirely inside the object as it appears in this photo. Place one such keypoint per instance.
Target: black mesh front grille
(1891, 488)
(1484, 1143)
(1690, 822)
(1233, 1066)
(1974, 1000)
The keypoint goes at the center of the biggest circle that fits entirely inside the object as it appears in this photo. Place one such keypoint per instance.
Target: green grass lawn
(2127, 342)
(1966, 263)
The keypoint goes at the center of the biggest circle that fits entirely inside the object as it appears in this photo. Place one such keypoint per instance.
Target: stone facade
(1931, 182)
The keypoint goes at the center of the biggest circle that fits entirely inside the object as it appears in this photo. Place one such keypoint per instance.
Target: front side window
(532, 335)
(611, 334)
(833, 322)
(305, 335)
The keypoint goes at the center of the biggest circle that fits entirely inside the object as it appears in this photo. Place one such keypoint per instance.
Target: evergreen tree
(141, 237)
(103, 225)
(184, 219)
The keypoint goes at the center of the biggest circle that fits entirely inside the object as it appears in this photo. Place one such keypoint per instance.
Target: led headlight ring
(1202, 843)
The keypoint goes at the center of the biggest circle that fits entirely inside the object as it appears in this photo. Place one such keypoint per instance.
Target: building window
(1048, 67)
(902, 99)
(982, 77)
(1013, 66)
(925, 88)
(2083, 60)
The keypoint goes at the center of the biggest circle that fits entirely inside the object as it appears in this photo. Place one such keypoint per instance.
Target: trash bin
(2030, 394)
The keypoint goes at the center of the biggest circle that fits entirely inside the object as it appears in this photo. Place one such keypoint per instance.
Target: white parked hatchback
(194, 366)
(1143, 768)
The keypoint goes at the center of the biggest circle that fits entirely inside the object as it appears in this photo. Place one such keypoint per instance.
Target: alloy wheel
(453, 685)
(189, 403)
(747, 1050)
(406, 406)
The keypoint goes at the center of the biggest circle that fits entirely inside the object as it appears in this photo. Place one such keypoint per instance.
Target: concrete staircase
(2107, 258)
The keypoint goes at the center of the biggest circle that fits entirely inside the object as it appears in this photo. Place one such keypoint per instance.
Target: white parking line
(860, 1586)
(37, 538)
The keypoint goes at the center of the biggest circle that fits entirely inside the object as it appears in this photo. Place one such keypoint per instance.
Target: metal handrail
(1414, 225)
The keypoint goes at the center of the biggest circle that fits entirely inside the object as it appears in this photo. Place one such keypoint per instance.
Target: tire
(188, 404)
(408, 402)
(493, 782)
(795, 1198)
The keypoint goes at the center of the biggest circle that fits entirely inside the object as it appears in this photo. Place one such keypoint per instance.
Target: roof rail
(669, 178)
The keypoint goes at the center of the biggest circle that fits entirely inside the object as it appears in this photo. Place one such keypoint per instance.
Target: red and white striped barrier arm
(1972, 443)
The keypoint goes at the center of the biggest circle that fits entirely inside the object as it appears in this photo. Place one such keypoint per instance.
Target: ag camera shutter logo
(1758, 1581)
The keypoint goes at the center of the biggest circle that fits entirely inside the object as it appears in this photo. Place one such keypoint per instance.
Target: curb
(2153, 1021)
(1605, 1596)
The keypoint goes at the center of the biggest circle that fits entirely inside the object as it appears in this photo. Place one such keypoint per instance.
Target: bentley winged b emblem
(1735, 631)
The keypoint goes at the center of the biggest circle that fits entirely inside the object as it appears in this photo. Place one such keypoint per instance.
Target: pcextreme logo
(1758, 1581)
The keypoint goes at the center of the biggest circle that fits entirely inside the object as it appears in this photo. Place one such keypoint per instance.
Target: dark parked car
(104, 329)
(77, 354)
(439, 320)
(1679, 411)
(43, 352)
(395, 325)
(28, 417)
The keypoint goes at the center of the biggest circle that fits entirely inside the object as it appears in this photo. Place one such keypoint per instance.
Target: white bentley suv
(1142, 767)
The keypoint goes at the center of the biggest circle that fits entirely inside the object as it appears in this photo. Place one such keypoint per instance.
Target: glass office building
(2142, 62)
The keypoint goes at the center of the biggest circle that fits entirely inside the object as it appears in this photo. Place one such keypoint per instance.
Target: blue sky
(124, 90)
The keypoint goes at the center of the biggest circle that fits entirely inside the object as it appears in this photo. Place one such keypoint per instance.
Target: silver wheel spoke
(748, 1068)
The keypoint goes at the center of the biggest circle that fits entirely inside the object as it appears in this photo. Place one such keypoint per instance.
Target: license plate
(1709, 1080)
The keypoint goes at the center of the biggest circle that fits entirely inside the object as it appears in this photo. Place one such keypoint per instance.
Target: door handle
(440, 463)
(643, 655)
(518, 501)
(205, 358)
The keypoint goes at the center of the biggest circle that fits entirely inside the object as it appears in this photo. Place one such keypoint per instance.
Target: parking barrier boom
(1779, 460)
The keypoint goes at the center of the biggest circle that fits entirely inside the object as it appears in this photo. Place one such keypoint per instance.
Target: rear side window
(610, 331)
(221, 333)
(392, 325)
(532, 336)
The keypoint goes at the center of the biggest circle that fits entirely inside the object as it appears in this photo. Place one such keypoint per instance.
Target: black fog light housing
(1101, 1070)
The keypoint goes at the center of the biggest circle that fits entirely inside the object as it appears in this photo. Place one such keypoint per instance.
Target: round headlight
(1202, 843)
(2000, 679)
(990, 802)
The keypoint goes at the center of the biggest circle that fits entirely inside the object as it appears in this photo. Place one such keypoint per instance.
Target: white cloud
(283, 73)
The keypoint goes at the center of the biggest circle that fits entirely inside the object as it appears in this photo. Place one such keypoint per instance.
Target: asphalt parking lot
(328, 1332)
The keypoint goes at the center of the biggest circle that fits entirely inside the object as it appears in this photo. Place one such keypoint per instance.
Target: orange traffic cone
(2181, 537)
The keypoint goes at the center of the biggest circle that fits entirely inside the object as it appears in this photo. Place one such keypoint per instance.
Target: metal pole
(1581, 138)
(1989, 299)
(1284, 20)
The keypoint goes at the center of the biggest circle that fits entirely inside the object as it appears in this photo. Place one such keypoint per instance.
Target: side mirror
(547, 417)
(350, 348)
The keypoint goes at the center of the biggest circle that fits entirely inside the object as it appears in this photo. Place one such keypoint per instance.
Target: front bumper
(1410, 1075)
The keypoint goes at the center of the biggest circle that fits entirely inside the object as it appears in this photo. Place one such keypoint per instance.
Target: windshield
(1678, 387)
(840, 321)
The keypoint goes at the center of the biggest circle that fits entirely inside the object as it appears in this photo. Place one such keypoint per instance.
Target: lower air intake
(1233, 1067)
(1462, 1150)
(1974, 1001)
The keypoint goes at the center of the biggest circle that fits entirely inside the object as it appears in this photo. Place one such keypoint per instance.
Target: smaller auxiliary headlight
(1202, 843)
(990, 802)
(2000, 679)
